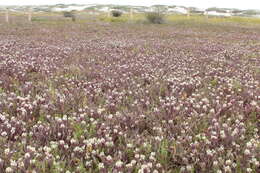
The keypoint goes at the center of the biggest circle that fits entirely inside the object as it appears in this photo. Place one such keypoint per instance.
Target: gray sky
(242, 4)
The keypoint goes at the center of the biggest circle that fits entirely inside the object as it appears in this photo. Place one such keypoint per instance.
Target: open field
(130, 97)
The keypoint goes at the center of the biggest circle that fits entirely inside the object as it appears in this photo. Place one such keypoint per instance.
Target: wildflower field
(129, 98)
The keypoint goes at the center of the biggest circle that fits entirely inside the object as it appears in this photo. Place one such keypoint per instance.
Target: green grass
(57, 18)
(214, 20)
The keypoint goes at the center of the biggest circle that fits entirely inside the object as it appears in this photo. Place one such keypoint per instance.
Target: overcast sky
(242, 4)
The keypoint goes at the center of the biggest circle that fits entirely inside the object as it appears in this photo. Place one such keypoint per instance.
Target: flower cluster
(167, 100)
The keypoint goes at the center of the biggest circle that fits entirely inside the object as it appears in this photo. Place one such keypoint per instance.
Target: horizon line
(129, 5)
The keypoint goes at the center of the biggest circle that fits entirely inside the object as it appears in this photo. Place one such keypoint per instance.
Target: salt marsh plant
(129, 98)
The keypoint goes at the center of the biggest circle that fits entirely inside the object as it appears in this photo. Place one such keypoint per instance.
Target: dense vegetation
(155, 17)
(177, 97)
(116, 13)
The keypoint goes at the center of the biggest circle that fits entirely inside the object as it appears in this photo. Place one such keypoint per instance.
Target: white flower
(12, 130)
(21, 164)
(152, 158)
(129, 145)
(137, 156)
(119, 163)
(249, 144)
(205, 100)
(13, 163)
(235, 132)
(142, 157)
(247, 152)
(88, 163)
(8, 170)
(141, 170)
(27, 155)
(110, 116)
(77, 149)
(182, 169)
(215, 163)
(65, 117)
(109, 158)
(143, 167)
(32, 161)
(158, 165)
(101, 165)
(189, 168)
(4, 134)
(129, 165)
(254, 103)
(47, 149)
(209, 152)
(133, 162)
(150, 164)
(73, 141)
(61, 142)
(227, 169)
(234, 165)
(249, 170)
(100, 110)
(222, 134)
(62, 126)
(228, 162)
(31, 148)
(212, 111)
(66, 146)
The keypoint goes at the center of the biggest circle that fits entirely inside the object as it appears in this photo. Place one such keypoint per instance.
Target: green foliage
(78, 131)
(73, 18)
(236, 85)
(214, 82)
(114, 20)
(163, 152)
(1, 90)
(256, 70)
(38, 19)
(155, 18)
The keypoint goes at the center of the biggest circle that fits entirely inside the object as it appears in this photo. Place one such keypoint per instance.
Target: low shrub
(116, 13)
(155, 18)
(69, 15)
